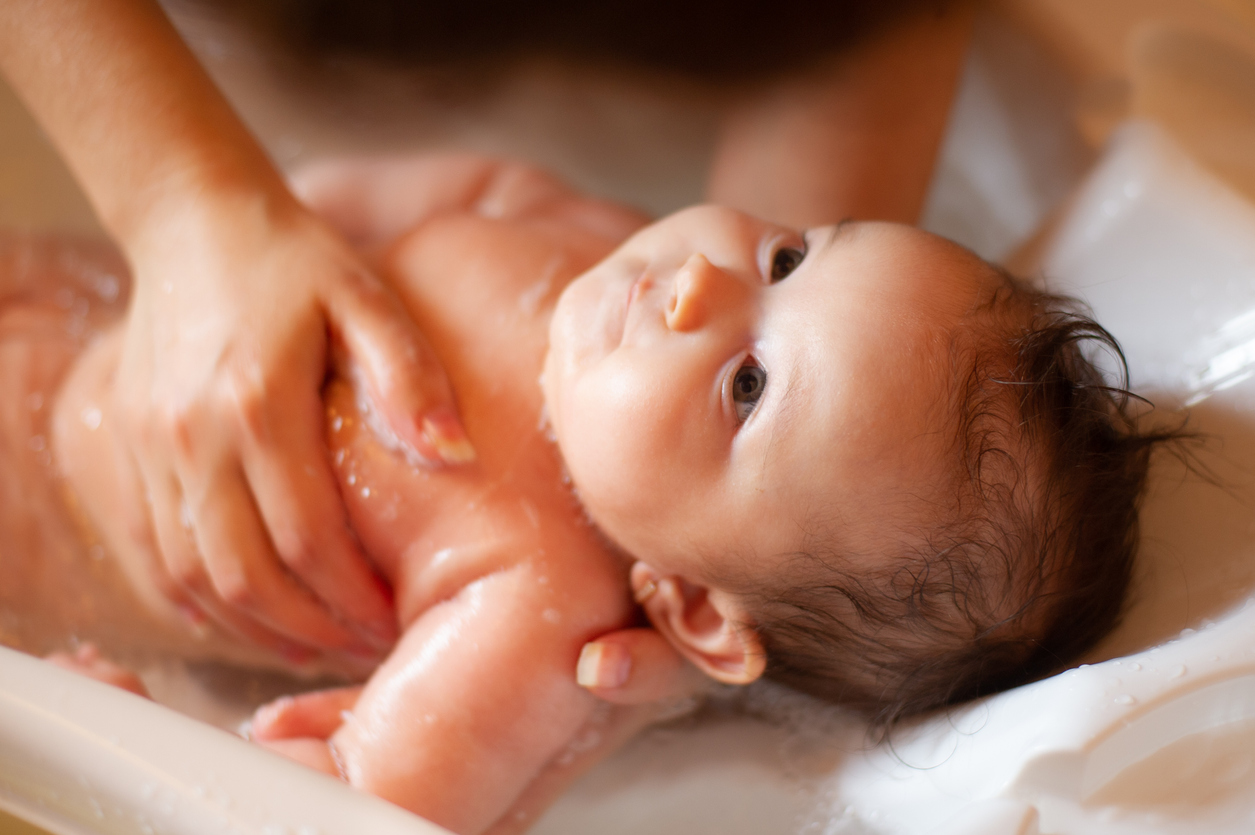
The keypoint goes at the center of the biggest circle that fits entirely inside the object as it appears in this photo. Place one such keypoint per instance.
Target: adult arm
(855, 136)
(239, 294)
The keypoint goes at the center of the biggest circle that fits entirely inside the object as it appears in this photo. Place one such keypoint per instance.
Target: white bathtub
(1158, 735)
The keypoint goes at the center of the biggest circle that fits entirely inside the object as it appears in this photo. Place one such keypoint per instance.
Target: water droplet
(107, 288)
(1135, 667)
(1178, 671)
(91, 417)
(337, 424)
(1187, 632)
(365, 492)
(352, 479)
(1125, 700)
(551, 616)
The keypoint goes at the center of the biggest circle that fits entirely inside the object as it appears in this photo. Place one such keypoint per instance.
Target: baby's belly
(36, 545)
(67, 570)
(60, 582)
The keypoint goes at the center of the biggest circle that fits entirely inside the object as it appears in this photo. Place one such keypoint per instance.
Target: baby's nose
(695, 292)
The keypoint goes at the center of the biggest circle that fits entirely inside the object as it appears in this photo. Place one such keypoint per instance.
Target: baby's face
(725, 390)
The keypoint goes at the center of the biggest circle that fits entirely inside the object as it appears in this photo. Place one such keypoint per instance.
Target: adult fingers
(136, 514)
(399, 369)
(636, 666)
(296, 492)
(318, 714)
(246, 573)
(171, 521)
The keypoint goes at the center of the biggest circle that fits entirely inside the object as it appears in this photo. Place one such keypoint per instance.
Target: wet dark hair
(1032, 561)
(713, 40)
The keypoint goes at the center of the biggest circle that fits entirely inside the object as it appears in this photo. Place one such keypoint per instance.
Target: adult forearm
(133, 113)
(856, 137)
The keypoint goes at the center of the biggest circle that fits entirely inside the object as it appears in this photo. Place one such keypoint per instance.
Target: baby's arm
(478, 697)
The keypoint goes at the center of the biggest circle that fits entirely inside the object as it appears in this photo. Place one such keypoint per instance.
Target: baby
(856, 459)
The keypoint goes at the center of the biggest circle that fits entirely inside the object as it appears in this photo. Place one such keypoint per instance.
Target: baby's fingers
(318, 714)
(88, 661)
(401, 372)
(314, 753)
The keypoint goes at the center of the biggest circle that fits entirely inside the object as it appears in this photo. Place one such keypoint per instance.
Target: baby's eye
(785, 261)
(747, 389)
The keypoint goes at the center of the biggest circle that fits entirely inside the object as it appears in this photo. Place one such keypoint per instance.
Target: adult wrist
(198, 199)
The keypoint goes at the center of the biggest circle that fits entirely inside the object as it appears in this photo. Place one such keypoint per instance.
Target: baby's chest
(434, 532)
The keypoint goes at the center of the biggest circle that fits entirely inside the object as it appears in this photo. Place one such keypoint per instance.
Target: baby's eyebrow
(842, 227)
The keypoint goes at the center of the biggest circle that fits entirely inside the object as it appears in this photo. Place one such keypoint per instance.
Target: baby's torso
(481, 290)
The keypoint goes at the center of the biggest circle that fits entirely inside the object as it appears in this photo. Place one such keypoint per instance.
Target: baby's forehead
(874, 420)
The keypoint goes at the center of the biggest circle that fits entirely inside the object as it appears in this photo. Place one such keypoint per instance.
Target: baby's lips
(442, 438)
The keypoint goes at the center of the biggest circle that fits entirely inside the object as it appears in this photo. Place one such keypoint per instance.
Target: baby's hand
(300, 727)
(87, 661)
(316, 714)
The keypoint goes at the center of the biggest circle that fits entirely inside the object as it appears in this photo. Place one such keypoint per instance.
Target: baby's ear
(700, 623)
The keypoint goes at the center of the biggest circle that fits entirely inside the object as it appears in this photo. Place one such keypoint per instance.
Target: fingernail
(603, 666)
(443, 430)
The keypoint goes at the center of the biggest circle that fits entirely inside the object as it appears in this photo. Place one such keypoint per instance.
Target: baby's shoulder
(552, 560)
(375, 201)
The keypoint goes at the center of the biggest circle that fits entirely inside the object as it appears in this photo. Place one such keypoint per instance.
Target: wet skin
(499, 576)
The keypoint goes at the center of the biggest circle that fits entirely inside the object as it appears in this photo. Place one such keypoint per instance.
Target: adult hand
(239, 297)
(637, 667)
(239, 303)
